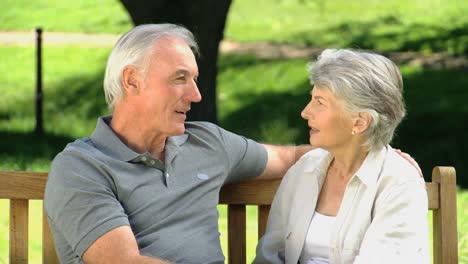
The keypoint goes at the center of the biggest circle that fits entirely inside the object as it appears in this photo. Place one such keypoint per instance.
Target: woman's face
(330, 126)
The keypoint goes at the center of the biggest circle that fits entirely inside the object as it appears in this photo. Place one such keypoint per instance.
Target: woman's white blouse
(317, 244)
(382, 217)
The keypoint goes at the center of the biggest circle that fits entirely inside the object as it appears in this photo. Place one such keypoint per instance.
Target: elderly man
(143, 188)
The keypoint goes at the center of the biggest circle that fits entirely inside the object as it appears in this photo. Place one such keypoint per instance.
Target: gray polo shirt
(97, 184)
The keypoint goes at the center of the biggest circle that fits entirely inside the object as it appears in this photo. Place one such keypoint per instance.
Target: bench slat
(255, 192)
(433, 195)
(19, 231)
(22, 185)
(237, 234)
(49, 255)
(263, 211)
(445, 217)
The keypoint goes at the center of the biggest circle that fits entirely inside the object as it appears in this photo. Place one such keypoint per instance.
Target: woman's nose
(305, 112)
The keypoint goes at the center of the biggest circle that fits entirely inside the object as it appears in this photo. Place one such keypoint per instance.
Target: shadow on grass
(70, 111)
(73, 98)
(434, 132)
(436, 139)
(390, 34)
(274, 111)
(20, 150)
(79, 94)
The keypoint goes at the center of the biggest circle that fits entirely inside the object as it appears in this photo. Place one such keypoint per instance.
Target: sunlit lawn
(428, 26)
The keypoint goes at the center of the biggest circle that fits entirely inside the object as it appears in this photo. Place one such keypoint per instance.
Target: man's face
(170, 86)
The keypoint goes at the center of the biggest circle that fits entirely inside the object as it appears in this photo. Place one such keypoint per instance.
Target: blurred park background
(262, 82)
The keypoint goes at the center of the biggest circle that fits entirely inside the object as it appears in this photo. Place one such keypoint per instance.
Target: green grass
(462, 204)
(425, 26)
(70, 74)
(88, 16)
(380, 25)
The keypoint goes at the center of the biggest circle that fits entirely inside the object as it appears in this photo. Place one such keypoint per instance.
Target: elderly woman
(354, 199)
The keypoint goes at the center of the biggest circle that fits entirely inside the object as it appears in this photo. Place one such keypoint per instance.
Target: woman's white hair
(134, 48)
(365, 82)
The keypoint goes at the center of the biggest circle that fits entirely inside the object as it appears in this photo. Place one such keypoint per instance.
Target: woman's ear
(131, 81)
(362, 122)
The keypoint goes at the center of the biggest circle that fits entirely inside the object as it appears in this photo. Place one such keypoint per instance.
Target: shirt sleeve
(80, 200)
(398, 232)
(246, 158)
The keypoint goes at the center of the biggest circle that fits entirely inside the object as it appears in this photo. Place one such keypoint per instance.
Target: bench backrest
(20, 187)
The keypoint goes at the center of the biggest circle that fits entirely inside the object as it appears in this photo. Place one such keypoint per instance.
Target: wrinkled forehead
(322, 91)
(174, 52)
(169, 45)
(325, 93)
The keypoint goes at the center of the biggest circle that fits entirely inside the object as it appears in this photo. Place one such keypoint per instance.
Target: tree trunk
(206, 19)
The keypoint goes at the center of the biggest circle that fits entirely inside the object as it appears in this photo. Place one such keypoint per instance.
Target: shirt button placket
(167, 176)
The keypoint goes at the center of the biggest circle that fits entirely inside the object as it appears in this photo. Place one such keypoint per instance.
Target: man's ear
(131, 81)
(362, 122)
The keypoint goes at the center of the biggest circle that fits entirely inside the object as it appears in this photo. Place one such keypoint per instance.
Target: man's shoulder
(204, 129)
(75, 153)
(194, 126)
(81, 145)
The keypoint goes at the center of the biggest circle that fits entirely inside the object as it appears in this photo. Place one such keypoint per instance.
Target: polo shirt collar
(173, 144)
(178, 140)
(107, 141)
(371, 168)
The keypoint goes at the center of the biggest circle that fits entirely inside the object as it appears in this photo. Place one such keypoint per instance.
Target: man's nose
(195, 95)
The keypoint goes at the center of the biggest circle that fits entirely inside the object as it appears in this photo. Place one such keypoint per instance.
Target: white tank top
(317, 244)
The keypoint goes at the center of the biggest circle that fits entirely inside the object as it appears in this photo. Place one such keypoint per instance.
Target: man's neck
(137, 136)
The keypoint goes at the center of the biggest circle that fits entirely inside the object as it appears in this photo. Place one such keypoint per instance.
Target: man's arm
(117, 246)
(281, 158)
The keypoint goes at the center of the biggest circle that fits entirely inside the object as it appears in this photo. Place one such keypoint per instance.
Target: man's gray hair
(366, 82)
(134, 48)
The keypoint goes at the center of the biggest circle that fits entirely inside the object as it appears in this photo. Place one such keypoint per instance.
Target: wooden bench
(20, 187)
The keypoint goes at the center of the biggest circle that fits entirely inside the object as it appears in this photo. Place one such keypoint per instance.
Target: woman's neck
(347, 161)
